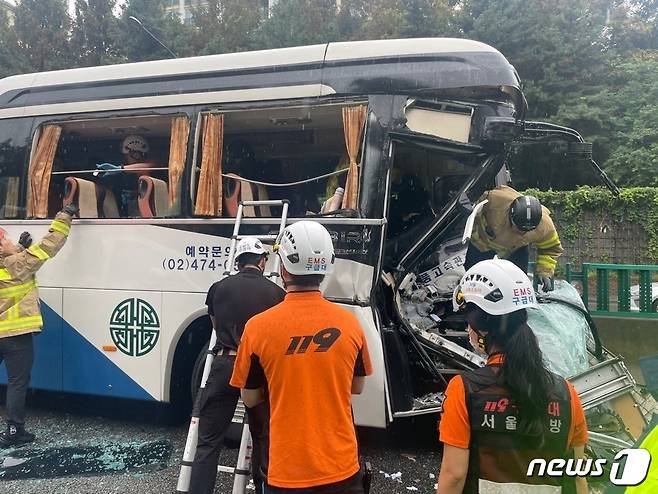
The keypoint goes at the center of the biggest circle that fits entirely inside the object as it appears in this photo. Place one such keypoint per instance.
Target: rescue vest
(648, 441)
(502, 447)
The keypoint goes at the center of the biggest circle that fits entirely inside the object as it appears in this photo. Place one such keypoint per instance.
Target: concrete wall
(603, 239)
(631, 338)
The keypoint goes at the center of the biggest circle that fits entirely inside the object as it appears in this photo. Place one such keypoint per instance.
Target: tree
(621, 119)
(301, 22)
(95, 35)
(136, 45)
(228, 25)
(42, 30)
(407, 19)
(647, 11)
(11, 59)
(628, 28)
(350, 18)
(557, 47)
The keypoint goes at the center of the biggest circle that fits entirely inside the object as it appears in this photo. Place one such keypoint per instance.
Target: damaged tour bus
(386, 143)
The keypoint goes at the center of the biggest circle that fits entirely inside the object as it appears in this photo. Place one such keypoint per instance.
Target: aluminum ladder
(241, 471)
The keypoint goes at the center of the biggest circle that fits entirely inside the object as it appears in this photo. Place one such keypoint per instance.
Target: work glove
(70, 209)
(107, 169)
(545, 282)
(25, 239)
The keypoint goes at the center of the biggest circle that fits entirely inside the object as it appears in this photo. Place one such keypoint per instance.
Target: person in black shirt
(231, 302)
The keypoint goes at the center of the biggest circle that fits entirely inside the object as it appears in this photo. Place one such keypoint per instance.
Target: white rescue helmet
(249, 245)
(134, 143)
(497, 286)
(306, 248)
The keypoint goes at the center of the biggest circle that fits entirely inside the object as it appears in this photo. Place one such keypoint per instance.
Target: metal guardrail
(621, 273)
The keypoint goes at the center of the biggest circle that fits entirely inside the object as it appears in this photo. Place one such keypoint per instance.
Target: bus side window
(14, 149)
(119, 167)
(423, 183)
(296, 153)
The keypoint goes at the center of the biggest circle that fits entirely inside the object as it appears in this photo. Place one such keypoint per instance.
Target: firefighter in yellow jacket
(20, 315)
(507, 225)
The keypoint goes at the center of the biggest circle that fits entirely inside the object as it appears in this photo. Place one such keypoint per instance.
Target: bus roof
(316, 61)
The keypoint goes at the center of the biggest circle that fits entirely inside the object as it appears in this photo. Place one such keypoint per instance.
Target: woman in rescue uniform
(498, 418)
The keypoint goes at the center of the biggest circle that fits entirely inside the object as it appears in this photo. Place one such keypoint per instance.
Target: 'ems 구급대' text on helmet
(305, 248)
(497, 286)
(525, 213)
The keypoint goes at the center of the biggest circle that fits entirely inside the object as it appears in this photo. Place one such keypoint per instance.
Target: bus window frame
(274, 105)
(187, 111)
(473, 187)
(23, 189)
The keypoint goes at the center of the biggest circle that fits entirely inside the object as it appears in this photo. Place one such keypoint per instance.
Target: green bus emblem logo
(135, 327)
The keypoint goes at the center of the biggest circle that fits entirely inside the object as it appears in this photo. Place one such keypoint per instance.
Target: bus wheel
(197, 372)
(193, 341)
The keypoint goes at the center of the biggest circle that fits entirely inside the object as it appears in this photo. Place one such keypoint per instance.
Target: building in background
(183, 8)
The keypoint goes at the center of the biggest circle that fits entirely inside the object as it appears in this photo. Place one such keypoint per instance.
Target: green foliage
(136, 44)
(41, 29)
(635, 205)
(588, 64)
(407, 19)
(621, 118)
(225, 26)
(301, 22)
(533, 35)
(12, 60)
(95, 34)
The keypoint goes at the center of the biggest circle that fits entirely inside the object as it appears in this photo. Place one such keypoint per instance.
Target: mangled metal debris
(615, 409)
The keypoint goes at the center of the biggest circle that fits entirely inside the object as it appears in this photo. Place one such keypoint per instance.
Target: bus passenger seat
(236, 189)
(263, 211)
(153, 196)
(83, 194)
(107, 203)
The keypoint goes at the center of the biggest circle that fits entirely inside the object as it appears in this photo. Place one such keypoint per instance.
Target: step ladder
(242, 470)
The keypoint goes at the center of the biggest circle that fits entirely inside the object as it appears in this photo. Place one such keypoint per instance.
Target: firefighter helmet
(134, 144)
(497, 286)
(306, 248)
(525, 213)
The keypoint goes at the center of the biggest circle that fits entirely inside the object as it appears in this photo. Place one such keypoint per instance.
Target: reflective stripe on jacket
(20, 312)
(493, 230)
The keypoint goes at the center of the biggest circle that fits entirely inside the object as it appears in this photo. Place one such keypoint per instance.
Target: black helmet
(525, 213)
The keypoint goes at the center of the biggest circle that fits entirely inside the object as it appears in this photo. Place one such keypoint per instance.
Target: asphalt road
(130, 449)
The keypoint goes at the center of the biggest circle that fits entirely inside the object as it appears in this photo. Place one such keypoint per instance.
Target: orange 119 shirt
(306, 351)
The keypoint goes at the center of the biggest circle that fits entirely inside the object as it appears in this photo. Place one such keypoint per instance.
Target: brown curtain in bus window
(180, 132)
(12, 185)
(354, 119)
(209, 191)
(41, 168)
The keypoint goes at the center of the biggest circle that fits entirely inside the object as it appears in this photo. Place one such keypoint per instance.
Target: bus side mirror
(499, 130)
